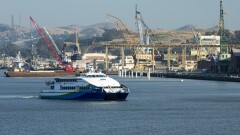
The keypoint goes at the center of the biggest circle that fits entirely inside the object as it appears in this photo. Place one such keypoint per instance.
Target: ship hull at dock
(59, 73)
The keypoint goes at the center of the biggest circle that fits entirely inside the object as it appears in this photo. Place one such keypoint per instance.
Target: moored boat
(86, 86)
(40, 73)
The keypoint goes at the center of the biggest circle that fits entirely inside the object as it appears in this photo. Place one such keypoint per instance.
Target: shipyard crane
(50, 45)
(142, 28)
(77, 53)
(144, 35)
(195, 36)
(224, 49)
(133, 43)
(53, 43)
(128, 36)
(224, 57)
(78, 49)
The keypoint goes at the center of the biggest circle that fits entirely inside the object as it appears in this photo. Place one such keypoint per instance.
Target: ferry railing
(48, 83)
(124, 88)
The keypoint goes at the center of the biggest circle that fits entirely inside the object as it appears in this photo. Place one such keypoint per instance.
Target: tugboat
(86, 86)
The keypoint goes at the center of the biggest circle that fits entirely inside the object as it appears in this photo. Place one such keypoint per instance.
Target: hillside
(188, 27)
(14, 39)
(92, 30)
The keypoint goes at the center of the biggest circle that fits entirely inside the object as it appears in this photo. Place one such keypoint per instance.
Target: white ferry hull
(93, 86)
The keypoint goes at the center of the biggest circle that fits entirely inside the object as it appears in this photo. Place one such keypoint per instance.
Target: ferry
(86, 86)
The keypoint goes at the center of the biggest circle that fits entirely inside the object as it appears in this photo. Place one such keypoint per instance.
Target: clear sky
(164, 14)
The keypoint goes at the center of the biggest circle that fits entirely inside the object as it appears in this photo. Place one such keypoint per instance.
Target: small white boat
(86, 86)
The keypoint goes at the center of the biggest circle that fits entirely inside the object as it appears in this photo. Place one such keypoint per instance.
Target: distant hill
(188, 27)
(4, 27)
(214, 28)
(89, 31)
(19, 35)
(105, 25)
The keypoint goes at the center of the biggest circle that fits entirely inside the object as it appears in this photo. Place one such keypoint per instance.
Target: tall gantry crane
(139, 56)
(223, 37)
(50, 45)
(53, 43)
(195, 36)
(76, 44)
(224, 63)
(129, 38)
(197, 41)
(142, 28)
(77, 54)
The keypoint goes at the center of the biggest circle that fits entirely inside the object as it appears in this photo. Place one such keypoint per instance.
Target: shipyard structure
(204, 53)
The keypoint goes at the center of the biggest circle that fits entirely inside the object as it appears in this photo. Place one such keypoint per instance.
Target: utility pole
(106, 58)
(168, 58)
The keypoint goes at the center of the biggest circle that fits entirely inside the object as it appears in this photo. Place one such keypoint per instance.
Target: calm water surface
(158, 106)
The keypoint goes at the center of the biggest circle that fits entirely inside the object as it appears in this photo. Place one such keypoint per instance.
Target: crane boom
(195, 36)
(127, 35)
(52, 41)
(49, 43)
(77, 44)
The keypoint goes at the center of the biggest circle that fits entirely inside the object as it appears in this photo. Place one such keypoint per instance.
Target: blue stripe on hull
(78, 96)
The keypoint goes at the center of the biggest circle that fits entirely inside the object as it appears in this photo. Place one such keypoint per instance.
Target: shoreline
(209, 77)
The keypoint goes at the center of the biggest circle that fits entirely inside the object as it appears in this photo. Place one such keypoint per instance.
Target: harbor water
(159, 106)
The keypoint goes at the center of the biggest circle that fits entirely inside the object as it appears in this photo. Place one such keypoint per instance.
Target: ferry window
(52, 87)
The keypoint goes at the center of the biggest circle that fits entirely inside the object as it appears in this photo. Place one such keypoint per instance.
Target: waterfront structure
(128, 64)
(97, 57)
(235, 60)
(223, 63)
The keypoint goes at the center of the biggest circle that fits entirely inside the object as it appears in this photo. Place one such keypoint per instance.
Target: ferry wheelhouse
(86, 86)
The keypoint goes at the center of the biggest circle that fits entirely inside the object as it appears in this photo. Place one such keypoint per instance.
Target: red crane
(50, 46)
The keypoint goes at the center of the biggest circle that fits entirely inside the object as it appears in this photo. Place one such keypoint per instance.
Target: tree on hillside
(230, 36)
(111, 34)
(237, 36)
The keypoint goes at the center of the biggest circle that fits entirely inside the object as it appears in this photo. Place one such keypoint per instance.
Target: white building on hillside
(97, 57)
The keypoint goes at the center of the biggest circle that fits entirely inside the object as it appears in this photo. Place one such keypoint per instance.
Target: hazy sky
(164, 14)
